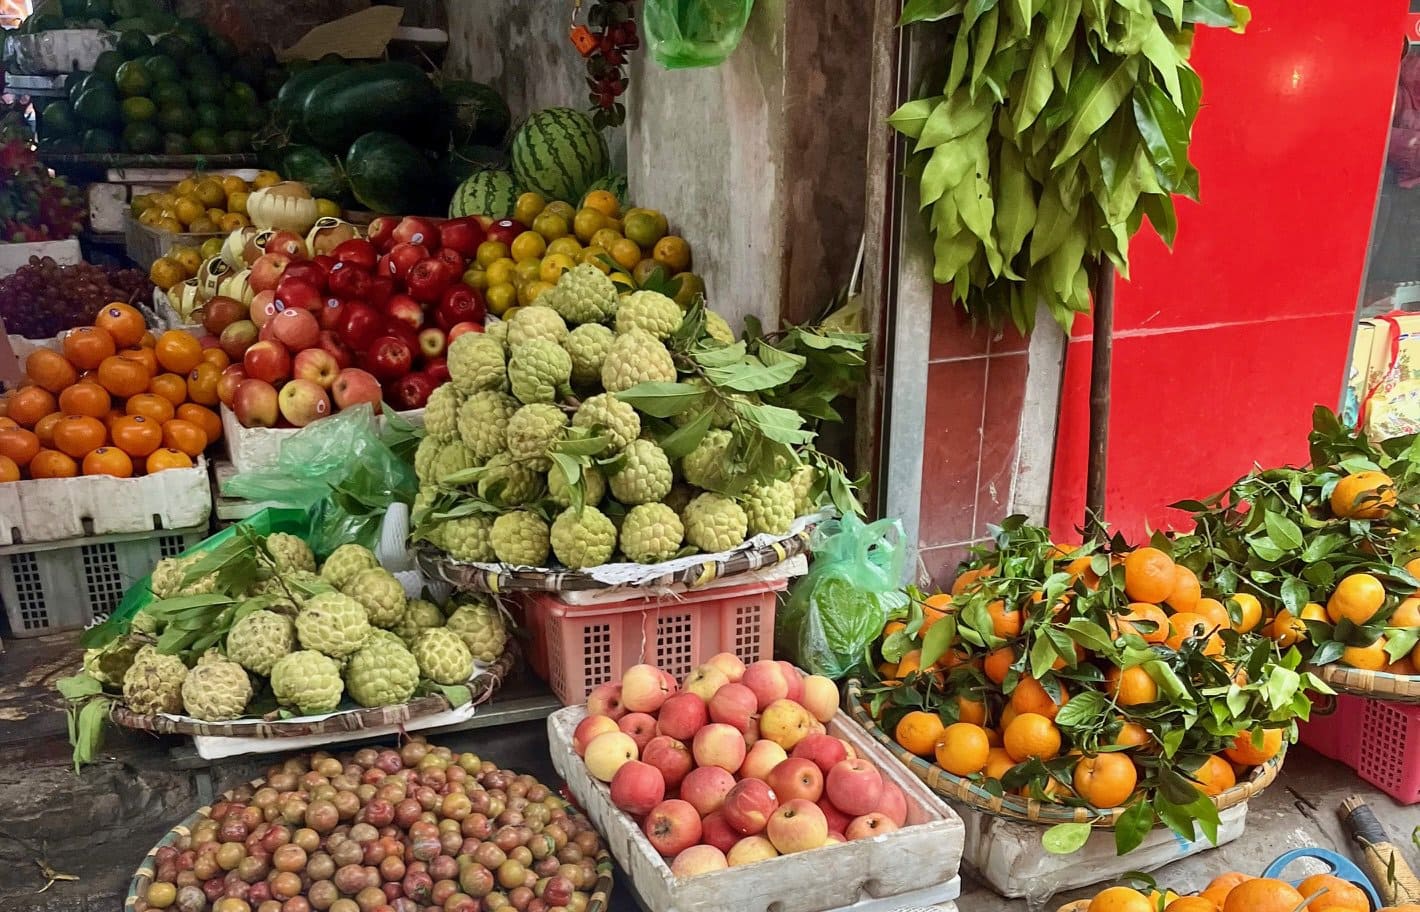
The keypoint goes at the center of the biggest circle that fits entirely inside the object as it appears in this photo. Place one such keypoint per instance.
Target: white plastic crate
(256, 448)
(64, 585)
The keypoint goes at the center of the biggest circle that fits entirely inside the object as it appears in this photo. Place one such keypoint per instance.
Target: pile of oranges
(116, 401)
(1234, 892)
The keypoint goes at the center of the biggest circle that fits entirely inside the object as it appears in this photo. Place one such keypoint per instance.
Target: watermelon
(462, 162)
(615, 184)
(477, 114)
(559, 153)
(491, 193)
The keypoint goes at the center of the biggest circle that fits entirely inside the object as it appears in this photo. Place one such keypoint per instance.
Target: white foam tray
(250, 449)
(13, 256)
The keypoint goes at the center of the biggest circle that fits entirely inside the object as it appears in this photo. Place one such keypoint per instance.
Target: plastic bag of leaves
(838, 609)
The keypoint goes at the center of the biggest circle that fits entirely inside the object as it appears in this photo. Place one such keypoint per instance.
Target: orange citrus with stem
(918, 732)
(1263, 894)
(1132, 734)
(19, 445)
(1249, 612)
(1131, 686)
(1214, 776)
(44, 428)
(909, 664)
(167, 458)
(998, 663)
(1246, 752)
(1214, 612)
(998, 763)
(1357, 598)
(1219, 887)
(1192, 904)
(1106, 780)
(1407, 614)
(1120, 899)
(151, 406)
(1156, 630)
(970, 710)
(172, 387)
(1186, 590)
(86, 346)
(1005, 620)
(1187, 626)
(1030, 696)
(77, 435)
(1367, 658)
(1149, 575)
(934, 608)
(1363, 495)
(108, 461)
(968, 578)
(963, 749)
(1339, 896)
(1032, 735)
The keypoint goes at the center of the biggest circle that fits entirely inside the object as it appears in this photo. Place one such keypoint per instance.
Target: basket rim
(1030, 810)
(1379, 685)
(148, 867)
(485, 685)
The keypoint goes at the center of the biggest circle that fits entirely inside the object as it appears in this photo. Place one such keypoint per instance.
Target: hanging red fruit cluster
(34, 204)
(606, 42)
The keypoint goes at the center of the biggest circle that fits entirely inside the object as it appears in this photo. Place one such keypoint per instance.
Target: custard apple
(145, 622)
(453, 457)
(507, 482)
(520, 538)
(259, 639)
(583, 294)
(346, 561)
(802, 481)
(442, 656)
(480, 625)
(497, 330)
(290, 553)
(714, 523)
(419, 614)
(560, 492)
(467, 538)
(483, 422)
(153, 683)
(650, 533)
(532, 433)
(607, 415)
(110, 662)
(299, 585)
(588, 345)
(442, 410)
(718, 328)
(166, 578)
(382, 673)
(769, 507)
(585, 539)
(539, 371)
(381, 595)
(707, 466)
(308, 682)
(679, 496)
(475, 363)
(644, 475)
(635, 357)
(648, 310)
(216, 689)
(200, 586)
(720, 414)
(334, 624)
(538, 322)
(424, 457)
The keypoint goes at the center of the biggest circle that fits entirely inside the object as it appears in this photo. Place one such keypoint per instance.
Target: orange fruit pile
(1235, 892)
(114, 401)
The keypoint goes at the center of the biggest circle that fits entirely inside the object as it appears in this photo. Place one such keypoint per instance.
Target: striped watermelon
(615, 184)
(491, 193)
(559, 153)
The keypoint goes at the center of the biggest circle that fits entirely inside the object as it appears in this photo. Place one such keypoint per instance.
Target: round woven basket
(148, 867)
(1016, 807)
(1376, 684)
(484, 685)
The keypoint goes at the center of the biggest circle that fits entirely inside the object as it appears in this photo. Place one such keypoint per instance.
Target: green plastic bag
(840, 606)
(342, 473)
(694, 33)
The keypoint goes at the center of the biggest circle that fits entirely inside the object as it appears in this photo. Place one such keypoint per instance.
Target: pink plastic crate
(1379, 740)
(577, 647)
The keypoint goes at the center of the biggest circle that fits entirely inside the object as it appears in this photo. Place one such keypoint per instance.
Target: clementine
(1149, 575)
(108, 461)
(963, 749)
(76, 435)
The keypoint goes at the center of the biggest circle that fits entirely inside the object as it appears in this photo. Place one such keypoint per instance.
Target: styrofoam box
(13, 256)
(250, 449)
(915, 866)
(1008, 856)
(51, 509)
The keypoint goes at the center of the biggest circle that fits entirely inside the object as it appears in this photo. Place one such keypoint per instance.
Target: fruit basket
(1379, 685)
(597, 897)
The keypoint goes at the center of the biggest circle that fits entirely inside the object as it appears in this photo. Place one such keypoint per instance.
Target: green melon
(559, 153)
(477, 114)
(490, 193)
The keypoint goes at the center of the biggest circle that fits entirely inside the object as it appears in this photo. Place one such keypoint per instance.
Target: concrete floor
(97, 825)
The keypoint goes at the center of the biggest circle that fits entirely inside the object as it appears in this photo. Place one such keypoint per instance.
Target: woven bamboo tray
(148, 867)
(1016, 807)
(1079, 905)
(1375, 684)
(483, 685)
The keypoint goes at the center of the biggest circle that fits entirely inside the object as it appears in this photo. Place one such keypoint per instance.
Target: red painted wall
(1223, 346)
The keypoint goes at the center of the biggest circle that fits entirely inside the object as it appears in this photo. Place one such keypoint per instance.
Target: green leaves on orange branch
(1060, 126)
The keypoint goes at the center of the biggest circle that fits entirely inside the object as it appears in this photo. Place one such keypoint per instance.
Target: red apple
(869, 825)
(637, 788)
(893, 804)
(296, 329)
(463, 235)
(605, 700)
(356, 252)
(401, 259)
(506, 230)
(644, 688)
(255, 404)
(406, 310)
(734, 704)
(428, 279)
(794, 680)
(716, 832)
(380, 231)
(404, 333)
(672, 827)
(330, 344)
(705, 787)
(237, 338)
(640, 726)
(232, 377)
(332, 313)
(269, 361)
(797, 826)
(588, 729)
(220, 312)
(797, 778)
(267, 271)
(316, 365)
(303, 401)
(324, 261)
(415, 230)
(412, 391)
(823, 750)
(438, 370)
(459, 304)
(768, 681)
(298, 294)
(461, 328)
(719, 745)
(749, 805)
(363, 325)
(307, 271)
(682, 715)
(349, 281)
(355, 386)
(379, 291)
(854, 786)
(837, 820)
(453, 263)
(263, 307)
(289, 243)
(432, 342)
(669, 756)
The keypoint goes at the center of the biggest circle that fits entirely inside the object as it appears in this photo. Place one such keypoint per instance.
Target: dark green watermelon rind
(535, 153)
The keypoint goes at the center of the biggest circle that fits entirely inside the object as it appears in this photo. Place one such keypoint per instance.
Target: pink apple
(466, 326)
(785, 722)
(608, 752)
(682, 716)
(303, 401)
(766, 678)
(256, 404)
(269, 361)
(762, 758)
(706, 787)
(751, 849)
(797, 826)
(267, 271)
(796, 779)
(672, 827)
(855, 787)
(644, 688)
(716, 832)
(699, 859)
(296, 329)
(704, 681)
(232, 377)
(793, 679)
(262, 308)
(823, 750)
(729, 664)
(640, 726)
(734, 704)
(820, 697)
(355, 386)
(869, 825)
(316, 365)
(637, 787)
(669, 756)
(837, 820)
(605, 700)
(893, 804)
(748, 806)
(719, 745)
(588, 729)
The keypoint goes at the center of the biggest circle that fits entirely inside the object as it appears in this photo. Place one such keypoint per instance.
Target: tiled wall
(975, 389)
